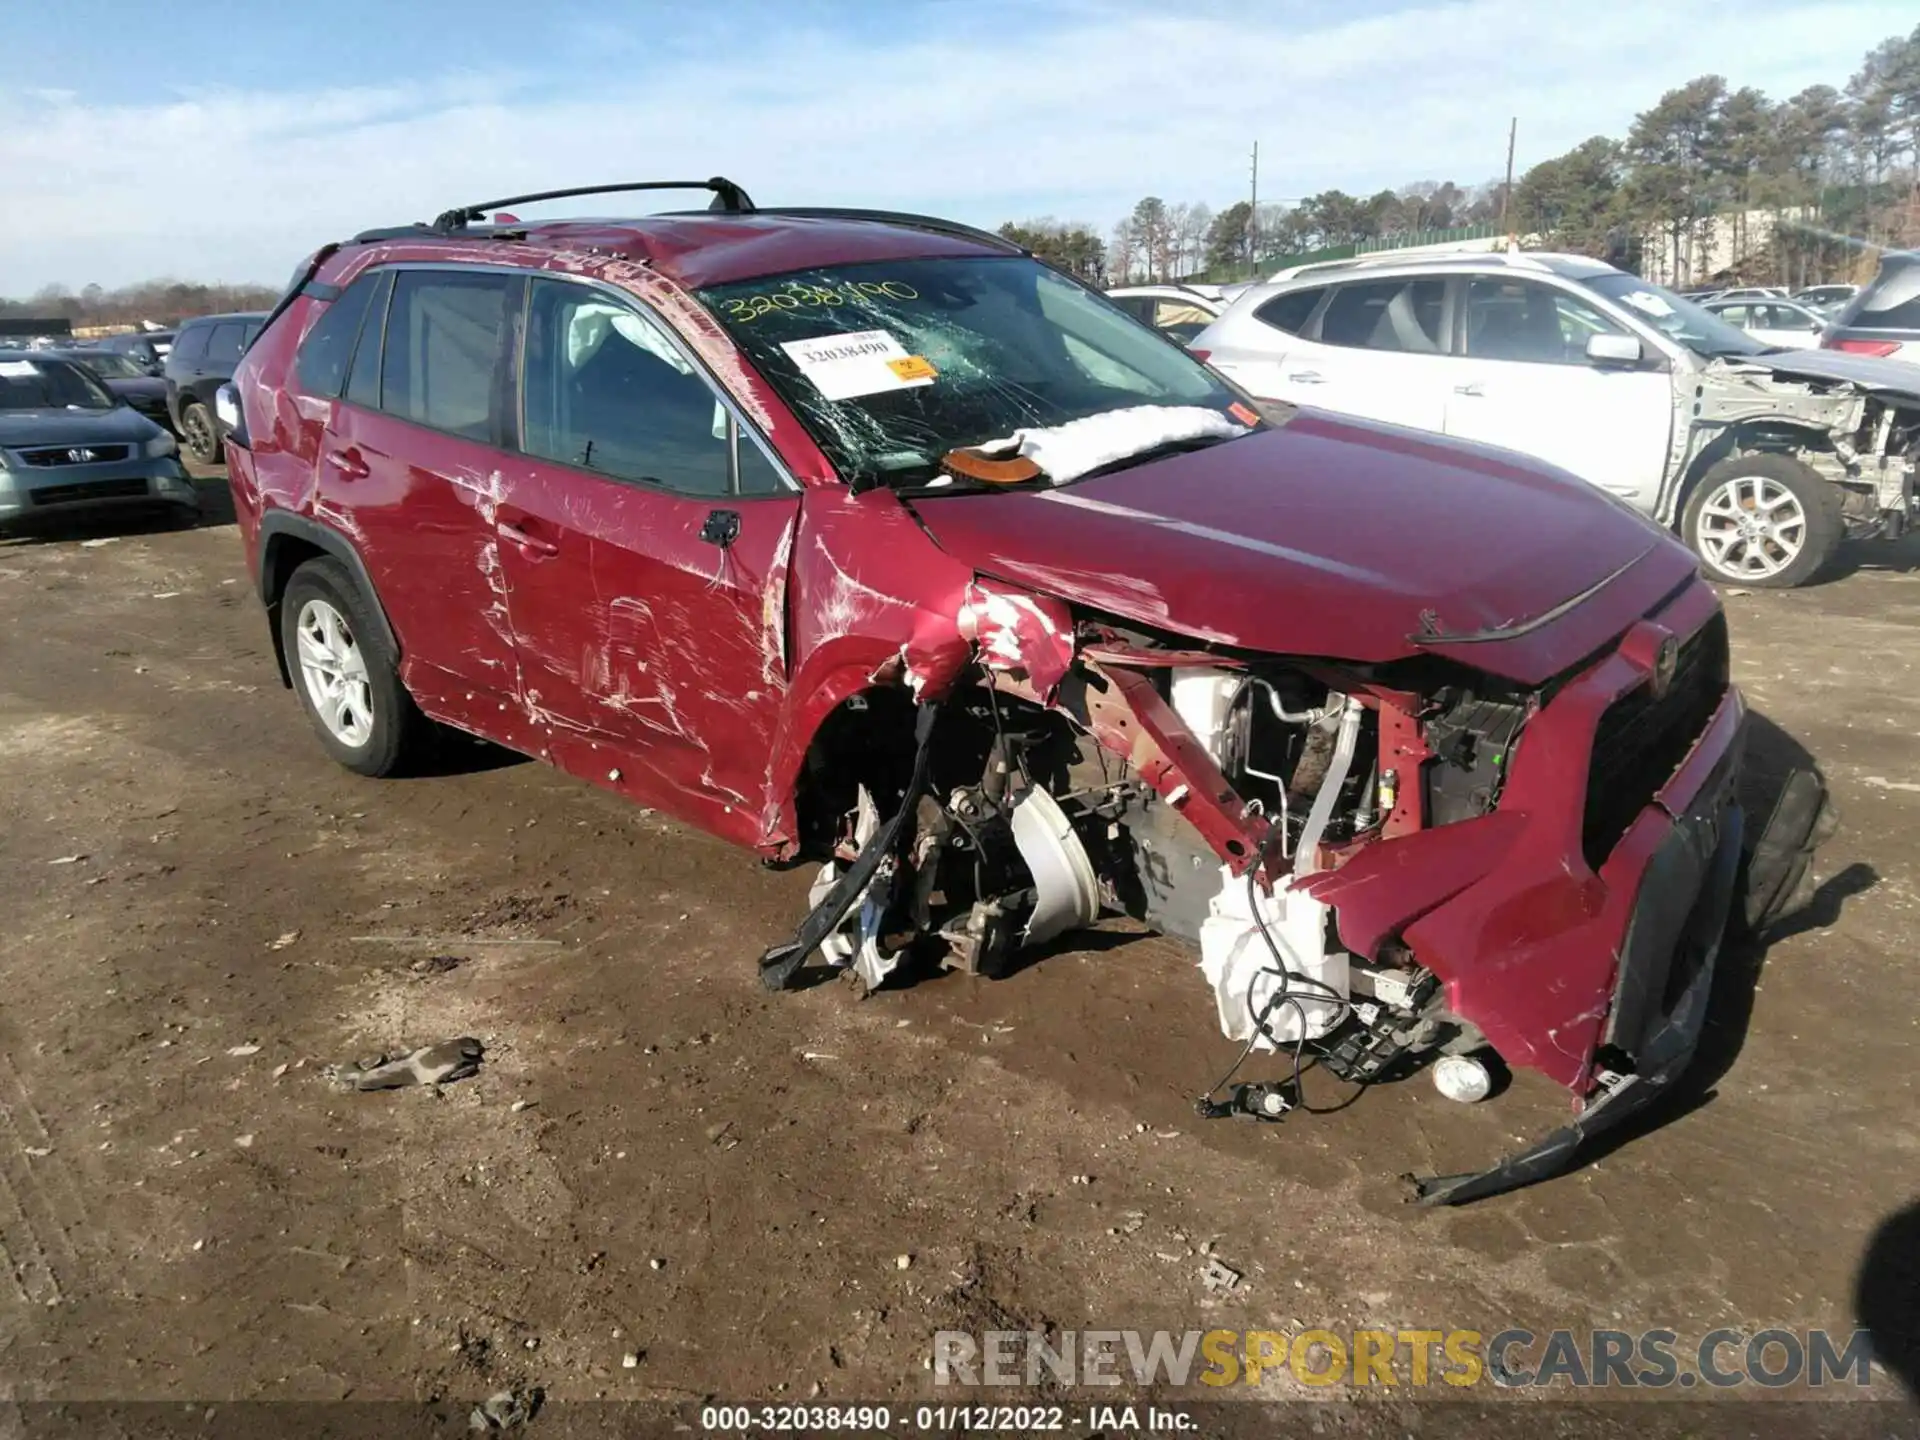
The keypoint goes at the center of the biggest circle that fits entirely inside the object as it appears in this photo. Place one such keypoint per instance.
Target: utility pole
(1253, 215)
(1506, 193)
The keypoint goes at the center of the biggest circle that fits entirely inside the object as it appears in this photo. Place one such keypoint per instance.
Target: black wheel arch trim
(278, 526)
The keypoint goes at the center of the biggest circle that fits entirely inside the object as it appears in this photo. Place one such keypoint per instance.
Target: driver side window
(608, 391)
(1532, 323)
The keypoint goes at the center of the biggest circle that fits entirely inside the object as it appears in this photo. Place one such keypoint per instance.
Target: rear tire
(199, 437)
(1766, 521)
(346, 677)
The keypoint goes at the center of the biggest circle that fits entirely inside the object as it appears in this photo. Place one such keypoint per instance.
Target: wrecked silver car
(1764, 460)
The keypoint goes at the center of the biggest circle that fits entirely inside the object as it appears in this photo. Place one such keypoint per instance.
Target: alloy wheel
(199, 434)
(1752, 527)
(335, 673)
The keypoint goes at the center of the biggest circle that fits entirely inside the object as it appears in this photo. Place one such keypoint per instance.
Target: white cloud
(1004, 121)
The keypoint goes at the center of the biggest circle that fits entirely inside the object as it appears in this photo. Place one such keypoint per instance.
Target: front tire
(346, 677)
(198, 435)
(1766, 521)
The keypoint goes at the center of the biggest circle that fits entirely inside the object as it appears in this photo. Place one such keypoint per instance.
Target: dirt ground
(667, 1184)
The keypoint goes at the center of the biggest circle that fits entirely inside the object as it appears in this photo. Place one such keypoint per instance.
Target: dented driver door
(645, 549)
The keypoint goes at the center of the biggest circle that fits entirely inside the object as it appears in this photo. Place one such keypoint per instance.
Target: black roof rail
(904, 219)
(726, 196)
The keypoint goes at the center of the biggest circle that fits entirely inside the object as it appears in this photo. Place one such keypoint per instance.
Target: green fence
(1347, 252)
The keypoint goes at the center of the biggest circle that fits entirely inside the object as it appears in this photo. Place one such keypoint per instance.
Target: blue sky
(225, 141)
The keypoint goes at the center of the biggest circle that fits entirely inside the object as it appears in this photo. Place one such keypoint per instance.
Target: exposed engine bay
(1383, 867)
(1027, 827)
(1852, 424)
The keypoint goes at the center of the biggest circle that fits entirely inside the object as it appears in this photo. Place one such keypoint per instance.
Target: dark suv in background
(205, 350)
(147, 348)
(1884, 318)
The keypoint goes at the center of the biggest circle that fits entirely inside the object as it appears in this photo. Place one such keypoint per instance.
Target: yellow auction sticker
(913, 367)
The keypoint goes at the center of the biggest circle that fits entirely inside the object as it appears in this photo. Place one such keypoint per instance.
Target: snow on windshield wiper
(1079, 447)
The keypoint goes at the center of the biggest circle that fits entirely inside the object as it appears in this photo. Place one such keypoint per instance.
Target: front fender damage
(1275, 815)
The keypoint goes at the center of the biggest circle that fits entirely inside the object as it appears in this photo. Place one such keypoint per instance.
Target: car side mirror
(1614, 350)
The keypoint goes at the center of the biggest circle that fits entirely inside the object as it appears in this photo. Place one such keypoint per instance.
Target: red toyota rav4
(869, 539)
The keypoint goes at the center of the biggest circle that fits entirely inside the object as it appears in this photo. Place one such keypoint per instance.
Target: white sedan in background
(1784, 323)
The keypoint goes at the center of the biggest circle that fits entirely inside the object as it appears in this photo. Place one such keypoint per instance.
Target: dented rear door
(408, 465)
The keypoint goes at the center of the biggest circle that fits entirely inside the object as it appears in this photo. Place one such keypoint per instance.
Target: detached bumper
(27, 491)
(1667, 957)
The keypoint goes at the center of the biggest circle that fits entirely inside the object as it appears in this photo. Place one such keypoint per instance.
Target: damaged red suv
(869, 540)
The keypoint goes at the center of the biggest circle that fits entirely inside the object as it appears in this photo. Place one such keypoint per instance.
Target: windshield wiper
(1157, 452)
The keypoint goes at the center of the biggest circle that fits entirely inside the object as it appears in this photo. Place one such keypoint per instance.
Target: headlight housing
(161, 445)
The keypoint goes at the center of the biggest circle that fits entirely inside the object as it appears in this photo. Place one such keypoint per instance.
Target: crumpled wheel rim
(334, 673)
(1752, 527)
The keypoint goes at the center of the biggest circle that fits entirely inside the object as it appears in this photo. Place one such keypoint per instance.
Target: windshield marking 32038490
(893, 366)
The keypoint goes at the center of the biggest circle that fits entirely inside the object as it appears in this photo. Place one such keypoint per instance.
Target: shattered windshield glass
(1682, 321)
(895, 364)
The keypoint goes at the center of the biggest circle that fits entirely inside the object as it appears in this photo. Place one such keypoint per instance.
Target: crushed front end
(1379, 866)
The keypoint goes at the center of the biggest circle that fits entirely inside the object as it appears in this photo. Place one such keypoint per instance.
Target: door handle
(526, 541)
(722, 528)
(1307, 377)
(1470, 389)
(348, 462)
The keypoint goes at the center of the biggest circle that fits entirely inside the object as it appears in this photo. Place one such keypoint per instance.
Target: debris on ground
(1219, 1277)
(437, 964)
(281, 942)
(240, 1052)
(505, 1410)
(68, 860)
(429, 1065)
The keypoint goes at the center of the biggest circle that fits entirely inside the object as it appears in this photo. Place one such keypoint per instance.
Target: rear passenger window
(321, 365)
(190, 344)
(1290, 312)
(443, 341)
(608, 391)
(363, 381)
(1386, 315)
(225, 343)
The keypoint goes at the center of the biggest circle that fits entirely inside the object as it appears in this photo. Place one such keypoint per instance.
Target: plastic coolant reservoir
(1202, 697)
(1240, 967)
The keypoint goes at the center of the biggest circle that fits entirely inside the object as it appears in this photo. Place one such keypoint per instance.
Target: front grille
(97, 490)
(1641, 741)
(74, 454)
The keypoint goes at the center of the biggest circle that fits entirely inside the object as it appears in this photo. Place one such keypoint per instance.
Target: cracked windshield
(895, 364)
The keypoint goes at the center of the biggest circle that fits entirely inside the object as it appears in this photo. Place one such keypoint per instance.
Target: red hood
(1337, 538)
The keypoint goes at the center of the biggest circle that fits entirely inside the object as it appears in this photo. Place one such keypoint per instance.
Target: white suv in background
(1763, 459)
